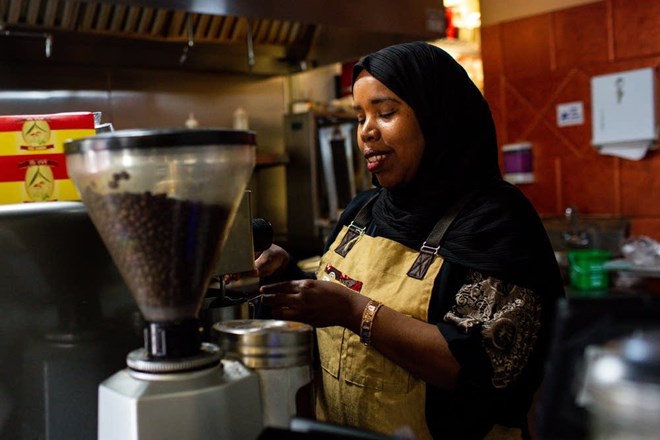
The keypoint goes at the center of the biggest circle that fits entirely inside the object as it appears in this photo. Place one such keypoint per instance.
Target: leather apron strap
(357, 227)
(430, 247)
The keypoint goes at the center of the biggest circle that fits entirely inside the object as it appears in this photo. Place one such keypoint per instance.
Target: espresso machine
(163, 201)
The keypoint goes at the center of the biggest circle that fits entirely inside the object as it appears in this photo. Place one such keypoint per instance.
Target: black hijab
(498, 232)
(461, 149)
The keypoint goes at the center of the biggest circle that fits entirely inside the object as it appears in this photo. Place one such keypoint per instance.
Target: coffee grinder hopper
(163, 202)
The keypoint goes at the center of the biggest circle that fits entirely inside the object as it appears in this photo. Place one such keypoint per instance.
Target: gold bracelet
(367, 320)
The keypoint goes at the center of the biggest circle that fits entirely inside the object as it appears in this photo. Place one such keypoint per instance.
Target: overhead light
(191, 41)
(49, 45)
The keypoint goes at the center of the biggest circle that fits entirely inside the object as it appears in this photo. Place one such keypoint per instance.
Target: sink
(586, 232)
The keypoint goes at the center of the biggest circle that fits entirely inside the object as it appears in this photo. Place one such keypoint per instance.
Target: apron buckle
(354, 232)
(355, 228)
(429, 249)
(423, 261)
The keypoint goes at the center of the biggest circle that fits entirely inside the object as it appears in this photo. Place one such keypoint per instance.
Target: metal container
(622, 388)
(281, 354)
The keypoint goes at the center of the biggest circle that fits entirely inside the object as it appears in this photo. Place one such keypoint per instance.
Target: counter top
(624, 265)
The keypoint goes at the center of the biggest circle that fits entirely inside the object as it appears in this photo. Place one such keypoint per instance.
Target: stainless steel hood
(268, 37)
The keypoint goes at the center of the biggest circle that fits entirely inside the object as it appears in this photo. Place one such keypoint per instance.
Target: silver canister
(622, 388)
(280, 352)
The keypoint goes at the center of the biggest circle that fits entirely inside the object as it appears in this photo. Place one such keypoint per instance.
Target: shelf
(267, 160)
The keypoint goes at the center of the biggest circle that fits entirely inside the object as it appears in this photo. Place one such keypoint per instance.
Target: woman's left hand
(315, 302)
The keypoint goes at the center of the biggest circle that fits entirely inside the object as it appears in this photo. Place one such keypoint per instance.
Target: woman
(434, 298)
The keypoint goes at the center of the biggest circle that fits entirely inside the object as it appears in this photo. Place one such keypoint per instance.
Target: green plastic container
(586, 269)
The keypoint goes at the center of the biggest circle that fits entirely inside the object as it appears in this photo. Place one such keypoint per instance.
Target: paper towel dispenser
(623, 113)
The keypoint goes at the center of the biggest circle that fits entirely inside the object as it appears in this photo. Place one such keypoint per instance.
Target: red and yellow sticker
(32, 161)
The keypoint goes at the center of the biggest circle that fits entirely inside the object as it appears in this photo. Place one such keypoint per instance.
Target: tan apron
(360, 386)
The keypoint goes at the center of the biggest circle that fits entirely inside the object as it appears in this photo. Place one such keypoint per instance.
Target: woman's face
(388, 135)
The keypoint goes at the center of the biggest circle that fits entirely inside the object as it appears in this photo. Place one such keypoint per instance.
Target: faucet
(571, 214)
(574, 238)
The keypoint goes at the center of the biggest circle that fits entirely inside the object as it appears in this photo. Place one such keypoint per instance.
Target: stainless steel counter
(67, 323)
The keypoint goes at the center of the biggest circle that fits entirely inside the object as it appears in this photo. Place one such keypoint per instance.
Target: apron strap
(429, 249)
(357, 227)
(431, 246)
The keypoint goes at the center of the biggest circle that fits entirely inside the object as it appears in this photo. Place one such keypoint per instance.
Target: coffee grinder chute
(163, 201)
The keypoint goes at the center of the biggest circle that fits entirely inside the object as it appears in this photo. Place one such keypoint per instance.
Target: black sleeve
(491, 329)
(464, 345)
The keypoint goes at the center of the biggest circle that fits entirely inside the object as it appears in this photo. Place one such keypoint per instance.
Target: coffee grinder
(163, 201)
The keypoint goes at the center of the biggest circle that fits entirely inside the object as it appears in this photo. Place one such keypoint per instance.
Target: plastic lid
(516, 147)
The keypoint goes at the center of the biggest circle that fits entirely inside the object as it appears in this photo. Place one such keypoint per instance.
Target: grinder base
(222, 401)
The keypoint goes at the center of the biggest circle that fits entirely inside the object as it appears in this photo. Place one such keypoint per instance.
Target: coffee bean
(165, 248)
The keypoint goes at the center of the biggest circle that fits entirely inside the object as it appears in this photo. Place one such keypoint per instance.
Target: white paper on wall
(623, 113)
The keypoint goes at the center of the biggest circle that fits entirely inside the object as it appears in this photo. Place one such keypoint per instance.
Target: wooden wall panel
(581, 35)
(493, 81)
(590, 183)
(636, 26)
(574, 87)
(533, 64)
(491, 51)
(645, 226)
(526, 47)
(545, 194)
(494, 89)
(641, 186)
(519, 112)
(536, 91)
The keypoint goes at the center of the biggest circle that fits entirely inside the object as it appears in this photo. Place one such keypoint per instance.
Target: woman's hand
(272, 260)
(268, 262)
(318, 303)
(413, 344)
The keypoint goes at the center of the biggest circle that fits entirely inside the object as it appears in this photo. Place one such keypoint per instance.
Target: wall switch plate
(570, 113)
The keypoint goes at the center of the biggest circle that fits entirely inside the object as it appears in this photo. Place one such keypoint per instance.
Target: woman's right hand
(271, 261)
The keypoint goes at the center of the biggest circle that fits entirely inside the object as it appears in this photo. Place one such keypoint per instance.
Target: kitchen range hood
(266, 37)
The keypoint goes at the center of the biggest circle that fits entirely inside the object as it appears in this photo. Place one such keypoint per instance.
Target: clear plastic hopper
(163, 202)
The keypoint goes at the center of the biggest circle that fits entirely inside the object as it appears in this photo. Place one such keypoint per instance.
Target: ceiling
(193, 35)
